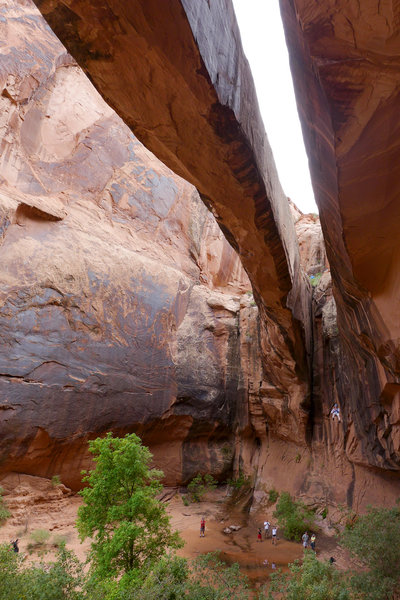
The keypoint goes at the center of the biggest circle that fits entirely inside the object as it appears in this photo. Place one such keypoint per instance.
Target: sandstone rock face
(121, 301)
(124, 308)
(345, 60)
(187, 93)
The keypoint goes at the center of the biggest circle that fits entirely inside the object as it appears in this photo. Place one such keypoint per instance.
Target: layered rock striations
(186, 91)
(345, 63)
(121, 304)
(124, 308)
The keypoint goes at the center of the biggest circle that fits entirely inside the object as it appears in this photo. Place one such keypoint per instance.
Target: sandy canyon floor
(36, 504)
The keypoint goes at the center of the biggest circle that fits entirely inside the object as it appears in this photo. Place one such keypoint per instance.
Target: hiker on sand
(305, 538)
(266, 528)
(202, 527)
(274, 532)
(259, 535)
(14, 544)
(313, 539)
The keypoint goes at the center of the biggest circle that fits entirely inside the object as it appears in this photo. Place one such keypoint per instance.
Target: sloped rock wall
(120, 305)
(344, 60)
(188, 94)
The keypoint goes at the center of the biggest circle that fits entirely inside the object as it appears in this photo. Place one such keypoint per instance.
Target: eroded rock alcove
(125, 308)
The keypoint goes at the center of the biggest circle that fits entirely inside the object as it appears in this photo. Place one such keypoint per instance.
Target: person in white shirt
(266, 528)
(274, 532)
(335, 412)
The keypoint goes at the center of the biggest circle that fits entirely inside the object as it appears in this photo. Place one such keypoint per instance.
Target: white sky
(264, 44)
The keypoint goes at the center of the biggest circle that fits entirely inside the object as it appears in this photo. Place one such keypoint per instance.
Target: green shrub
(227, 451)
(273, 496)
(293, 517)
(241, 481)
(374, 540)
(200, 485)
(59, 580)
(39, 537)
(324, 513)
(315, 279)
(176, 578)
(313, 579)
(55, 480)
(59, 540)
(4, 512)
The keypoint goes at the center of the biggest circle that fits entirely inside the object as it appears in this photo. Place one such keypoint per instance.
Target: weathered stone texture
(123, 307)
(187, 93)
(120, 298)
(345, 64)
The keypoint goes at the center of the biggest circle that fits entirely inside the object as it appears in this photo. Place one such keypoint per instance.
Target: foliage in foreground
(4, 512)
(60, 580)
(129, 526)
(311, 580)
(293, 517)
(169, 578)
(374, 540)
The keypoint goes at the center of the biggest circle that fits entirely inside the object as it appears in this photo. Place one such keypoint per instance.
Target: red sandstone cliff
(122, 305)
(345, 64)
(121, 301)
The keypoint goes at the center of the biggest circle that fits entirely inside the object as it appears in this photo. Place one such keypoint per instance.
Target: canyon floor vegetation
(132, 553)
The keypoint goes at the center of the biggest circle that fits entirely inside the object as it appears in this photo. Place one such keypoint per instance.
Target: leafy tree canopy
(293, 517)
(129, 526)
(374, 539)
(59, 580)
(311, 580)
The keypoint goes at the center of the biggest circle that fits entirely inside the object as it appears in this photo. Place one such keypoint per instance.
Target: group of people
(308, 541)
(267, 529)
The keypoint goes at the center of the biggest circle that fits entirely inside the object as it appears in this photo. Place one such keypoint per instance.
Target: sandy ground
(36, 504)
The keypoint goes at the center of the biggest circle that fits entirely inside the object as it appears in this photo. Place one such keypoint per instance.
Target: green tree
(311, 580)
(176, 578)
(59, 580)
(200, 485)
(4, 512)
(129, 526)
(10, 585)
(211, 579)
(294, 518)
(374, 539)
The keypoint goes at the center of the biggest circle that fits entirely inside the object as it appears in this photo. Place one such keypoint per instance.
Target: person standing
(274, 533)
(202, 527)
(259, 535)
(14, 544)
(266, 528)
(313, 540)
(305, 537)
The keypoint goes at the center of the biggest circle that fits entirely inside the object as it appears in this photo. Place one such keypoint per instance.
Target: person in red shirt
(202, 527)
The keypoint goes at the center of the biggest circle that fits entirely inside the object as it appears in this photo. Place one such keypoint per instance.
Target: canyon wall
(345, 62)
(187, 93)
(122, 305)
